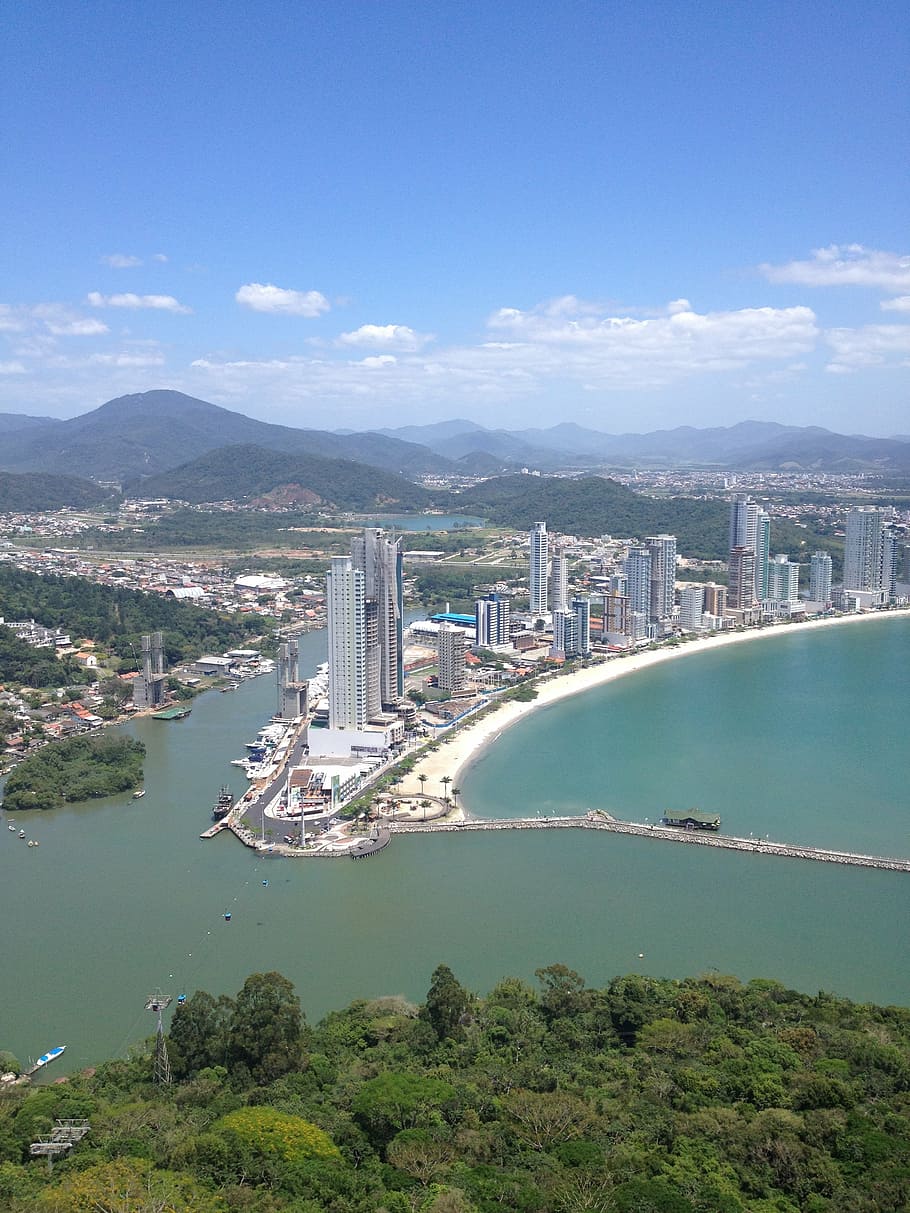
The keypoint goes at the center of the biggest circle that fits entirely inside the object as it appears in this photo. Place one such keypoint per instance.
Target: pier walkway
(603, 821)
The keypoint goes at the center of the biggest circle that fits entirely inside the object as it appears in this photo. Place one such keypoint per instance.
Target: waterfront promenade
(338, 844)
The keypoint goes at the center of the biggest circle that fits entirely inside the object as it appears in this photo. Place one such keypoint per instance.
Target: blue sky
(630, 215)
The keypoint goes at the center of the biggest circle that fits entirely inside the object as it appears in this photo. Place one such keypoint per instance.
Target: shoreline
(457, 752)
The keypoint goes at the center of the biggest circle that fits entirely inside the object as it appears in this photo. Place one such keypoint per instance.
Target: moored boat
(50, 1056)
(223, 804)
(139, 793)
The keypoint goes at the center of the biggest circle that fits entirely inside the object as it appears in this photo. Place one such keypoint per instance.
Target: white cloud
(77, 328)
(265, 297)
(12, 368)
(12, 319)
(901, 304)
(386, 337)
(873, 345)
(160, 257)
(160, 303)
(121, 261)
(845, 265)
(558, 345)
(127, 360)
(626, 351)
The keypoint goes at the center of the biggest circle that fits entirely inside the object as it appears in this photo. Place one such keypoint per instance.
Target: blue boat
(48, 1057)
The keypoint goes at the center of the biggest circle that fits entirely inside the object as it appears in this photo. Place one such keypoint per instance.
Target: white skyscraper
(750, 527)
(663, 579)
(691, 607)
(450, 650)
(539, 568)
(379, 559)
(346, 602)
(638, 580)
(869, 553)
(820, 578)
(491, 615)
(572, 629)
(560, 580)
(783, 580)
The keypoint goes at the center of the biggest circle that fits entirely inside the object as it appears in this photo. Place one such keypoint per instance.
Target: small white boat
(139, 793)
(50, 1056)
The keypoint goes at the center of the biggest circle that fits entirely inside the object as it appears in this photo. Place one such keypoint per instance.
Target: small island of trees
(81, 768)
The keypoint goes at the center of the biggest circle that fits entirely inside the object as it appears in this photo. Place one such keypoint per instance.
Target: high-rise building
(572, 629)
(691, 607)
(715, 599)
(539, 575)
(750, 527)
(492, 619)
(820, 578)
(450, 650)
(617, 617)
(379, 558)
(741, 578)
(783, 580)
(662, 599)
(762, 554)
(743, 523)
(638, 579)
(869, 553)
(560, 576)
(346, 602)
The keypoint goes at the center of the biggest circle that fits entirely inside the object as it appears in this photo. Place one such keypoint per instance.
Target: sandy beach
(458, 750)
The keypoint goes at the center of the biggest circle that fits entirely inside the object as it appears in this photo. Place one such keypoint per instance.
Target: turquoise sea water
(800, 736)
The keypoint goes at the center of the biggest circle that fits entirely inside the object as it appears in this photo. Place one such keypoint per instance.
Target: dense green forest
(20, 662)
(80, 768)
(593, 505)
(24, 492)
(248, 471)
(117, 617)
(645, 1096)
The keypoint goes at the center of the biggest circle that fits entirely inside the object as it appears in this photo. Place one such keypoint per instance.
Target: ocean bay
(121, 895)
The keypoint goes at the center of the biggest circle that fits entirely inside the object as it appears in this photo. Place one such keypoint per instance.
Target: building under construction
(292, 691)
(148, 688)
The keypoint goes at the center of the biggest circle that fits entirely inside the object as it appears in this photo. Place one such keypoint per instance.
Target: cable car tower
(158, 1004)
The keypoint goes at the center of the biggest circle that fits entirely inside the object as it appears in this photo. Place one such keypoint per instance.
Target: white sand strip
(461, 747)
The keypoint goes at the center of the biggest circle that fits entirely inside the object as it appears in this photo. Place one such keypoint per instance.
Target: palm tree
(445, 781)
(456, 792)
(421, 779)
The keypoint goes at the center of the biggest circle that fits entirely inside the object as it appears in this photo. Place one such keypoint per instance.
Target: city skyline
(629, 218)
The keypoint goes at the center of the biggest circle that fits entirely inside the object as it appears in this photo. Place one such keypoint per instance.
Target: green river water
(801, 736)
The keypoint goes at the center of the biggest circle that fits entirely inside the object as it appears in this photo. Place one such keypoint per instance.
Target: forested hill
(644, 1096)
(30, 491)
(593, 505)
(273, 477)
(118, 617)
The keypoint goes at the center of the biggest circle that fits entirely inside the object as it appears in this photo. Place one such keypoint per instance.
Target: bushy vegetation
(80, 768)
(645, 1096)
(20, 662)
(118, 617)
(27, 492)
(248, 471)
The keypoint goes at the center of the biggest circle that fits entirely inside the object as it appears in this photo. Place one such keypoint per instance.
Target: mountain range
(135, 439)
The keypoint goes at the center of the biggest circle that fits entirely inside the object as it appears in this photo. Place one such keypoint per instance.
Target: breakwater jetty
(597, 820)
